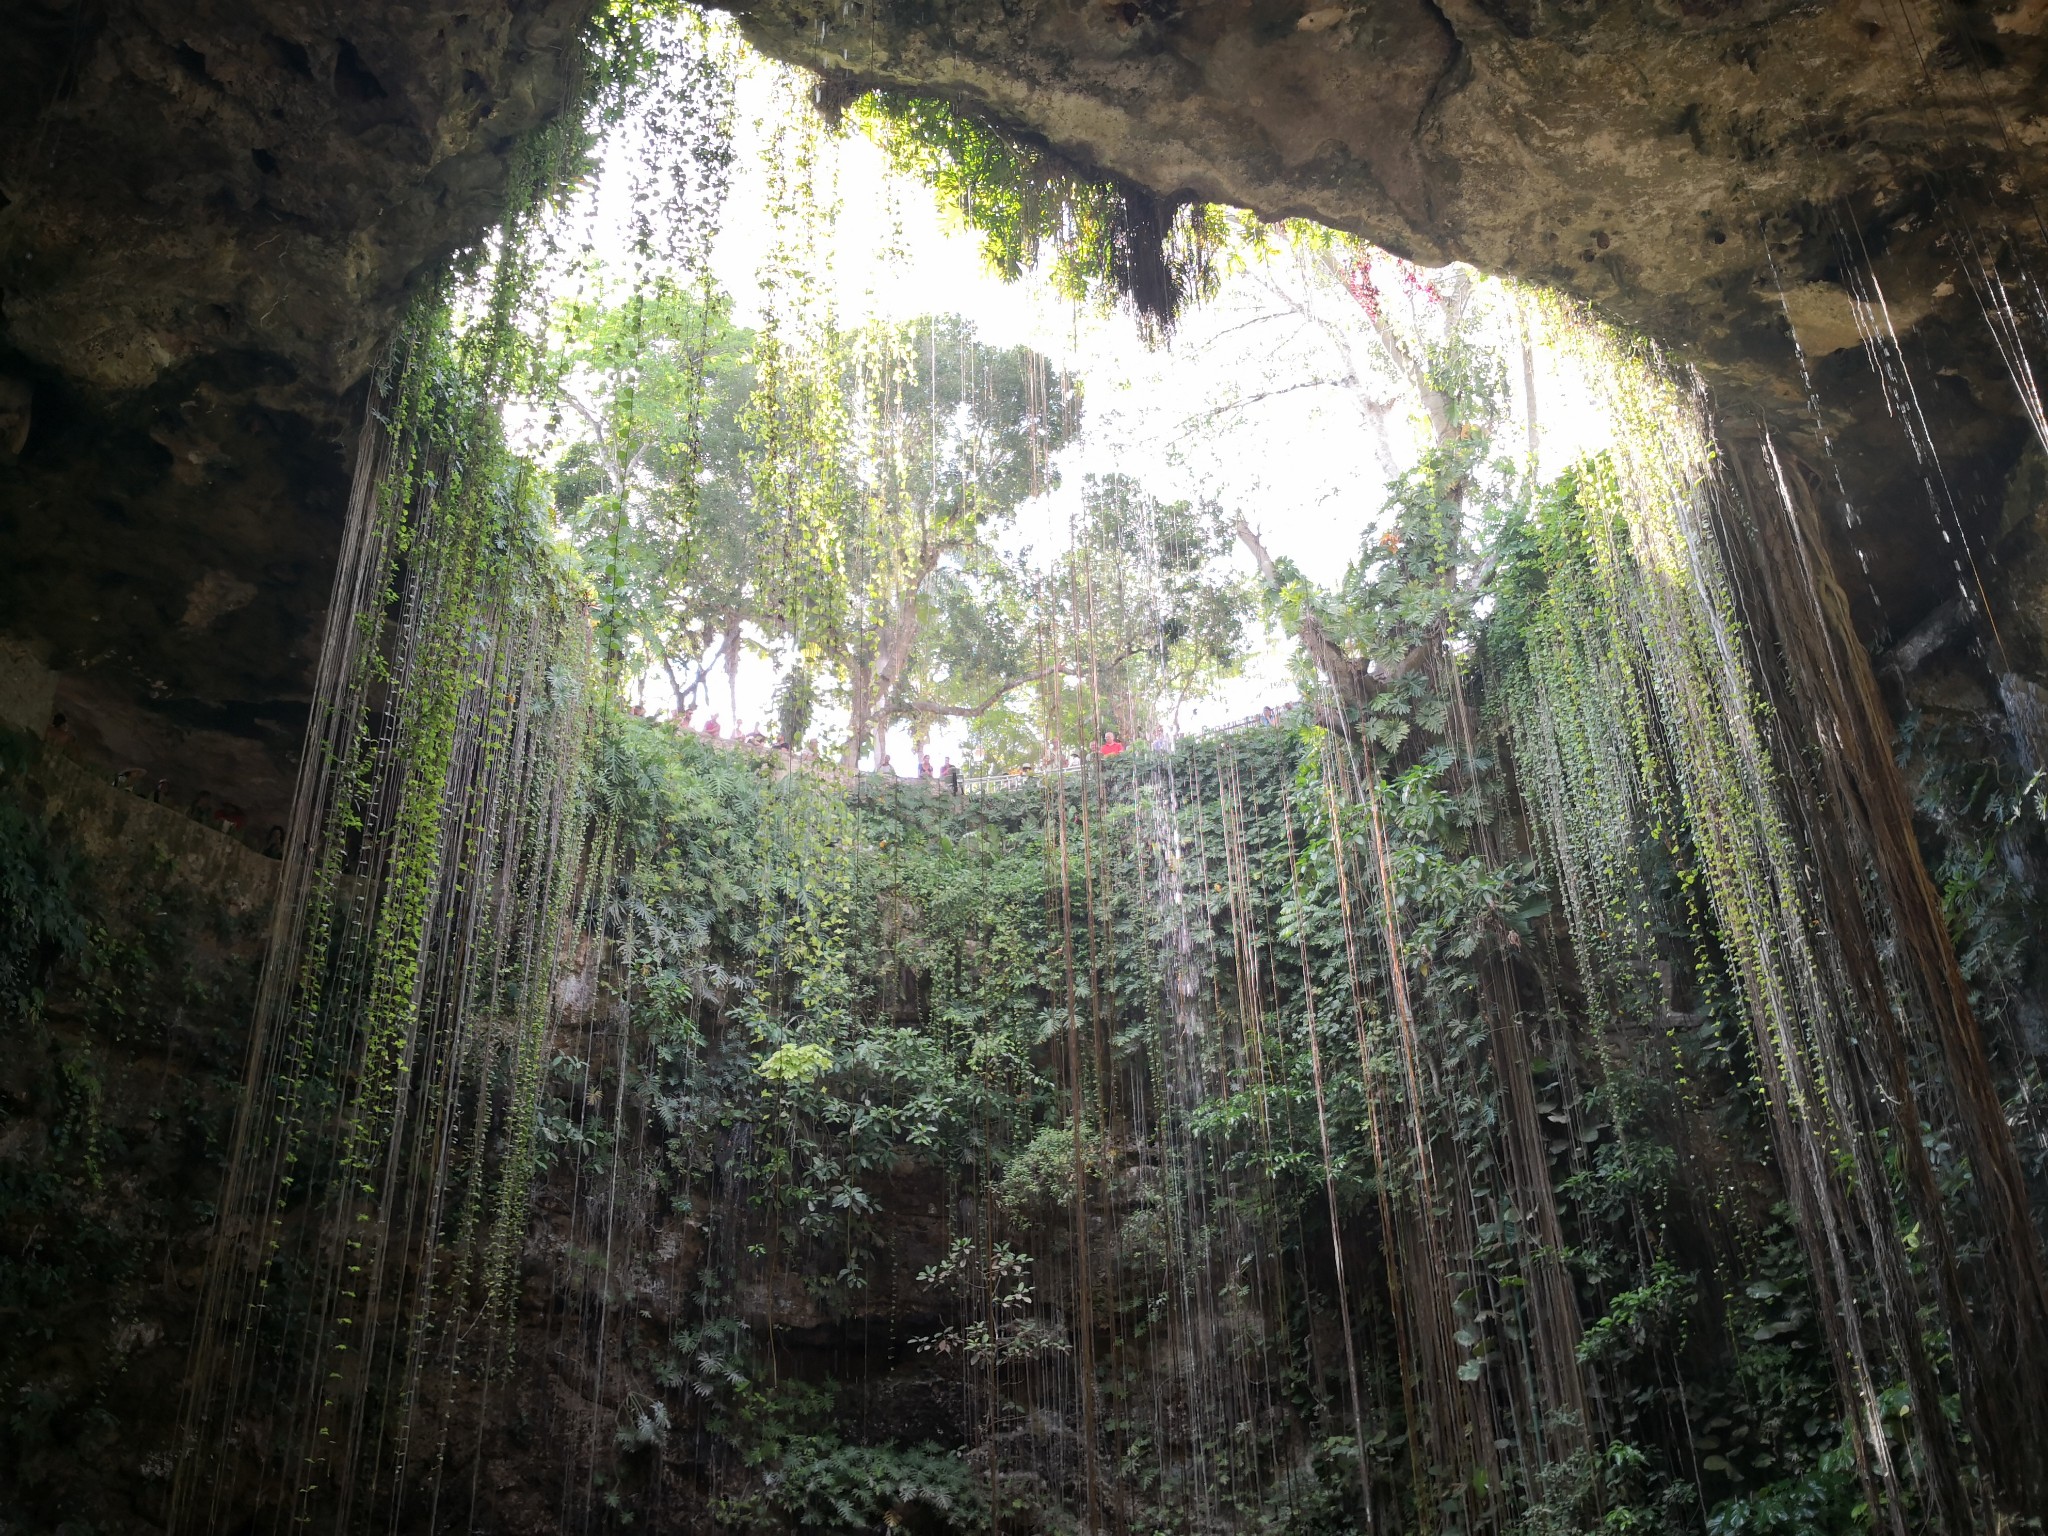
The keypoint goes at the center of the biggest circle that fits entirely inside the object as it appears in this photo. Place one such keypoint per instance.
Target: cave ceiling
(213, 212)
(1692, 169)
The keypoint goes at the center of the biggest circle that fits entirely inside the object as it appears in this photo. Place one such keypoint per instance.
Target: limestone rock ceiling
(1674, 162)
(1635, 154)
(212, 212)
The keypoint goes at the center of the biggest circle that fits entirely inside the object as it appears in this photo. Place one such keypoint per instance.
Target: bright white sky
(1304, 464)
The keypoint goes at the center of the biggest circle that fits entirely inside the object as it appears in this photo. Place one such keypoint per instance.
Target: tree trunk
(899, 638)
(859, 707)
(732, 668)
(1351, 677)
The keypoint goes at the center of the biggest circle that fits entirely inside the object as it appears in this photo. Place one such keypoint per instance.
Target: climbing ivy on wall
(916, 1031)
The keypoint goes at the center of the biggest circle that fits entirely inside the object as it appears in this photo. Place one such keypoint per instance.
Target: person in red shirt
(1110, 745)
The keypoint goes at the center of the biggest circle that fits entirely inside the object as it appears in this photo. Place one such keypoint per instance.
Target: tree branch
(932, 710)
(1267, 569)
(1245, 401)
(1351, 677)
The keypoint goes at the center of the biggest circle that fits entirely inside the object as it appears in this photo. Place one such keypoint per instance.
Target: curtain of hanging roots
(377, 1191)
(1695, 682)
(1688, 682)
(1492, 1388)
(1930, 1080)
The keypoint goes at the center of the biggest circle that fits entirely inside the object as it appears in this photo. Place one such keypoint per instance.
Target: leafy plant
(40, 922)
(1107, 238)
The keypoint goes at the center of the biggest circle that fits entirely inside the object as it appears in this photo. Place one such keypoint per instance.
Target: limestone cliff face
(210, 214)
(1630, 152)
(117, 1102)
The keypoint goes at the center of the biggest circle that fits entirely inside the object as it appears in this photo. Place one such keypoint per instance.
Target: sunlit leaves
(1107, 239)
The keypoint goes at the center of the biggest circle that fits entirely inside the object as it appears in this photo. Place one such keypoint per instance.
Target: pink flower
(1363, 288)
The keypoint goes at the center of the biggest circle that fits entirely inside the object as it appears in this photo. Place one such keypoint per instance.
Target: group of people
(684, 722)
(206, 808)
(1111, 746)
(949, 777)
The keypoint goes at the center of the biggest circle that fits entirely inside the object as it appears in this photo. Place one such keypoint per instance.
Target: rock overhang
(215, 213)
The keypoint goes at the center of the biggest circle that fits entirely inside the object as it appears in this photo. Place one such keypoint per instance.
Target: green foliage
(1644, 1317)
(793, 1063)
(39, 918)
(839, 495)
(795, 698)
(654, 489)
(1039, 1178)
(1108, 239)
(1824, 1501)
(820, 1484)
(889, 463)
(764, 911)
(994, 1288)
(1989, 826)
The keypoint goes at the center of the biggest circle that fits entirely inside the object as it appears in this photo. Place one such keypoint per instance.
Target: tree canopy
(846, 500)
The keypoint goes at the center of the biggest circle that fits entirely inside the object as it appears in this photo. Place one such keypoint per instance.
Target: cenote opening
(1152, 769)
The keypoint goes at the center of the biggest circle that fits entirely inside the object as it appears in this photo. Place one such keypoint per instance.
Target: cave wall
(117, 1103)
(210, 216)
(118, 1095)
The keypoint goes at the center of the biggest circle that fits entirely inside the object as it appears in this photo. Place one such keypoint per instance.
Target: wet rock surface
(117, 1102)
